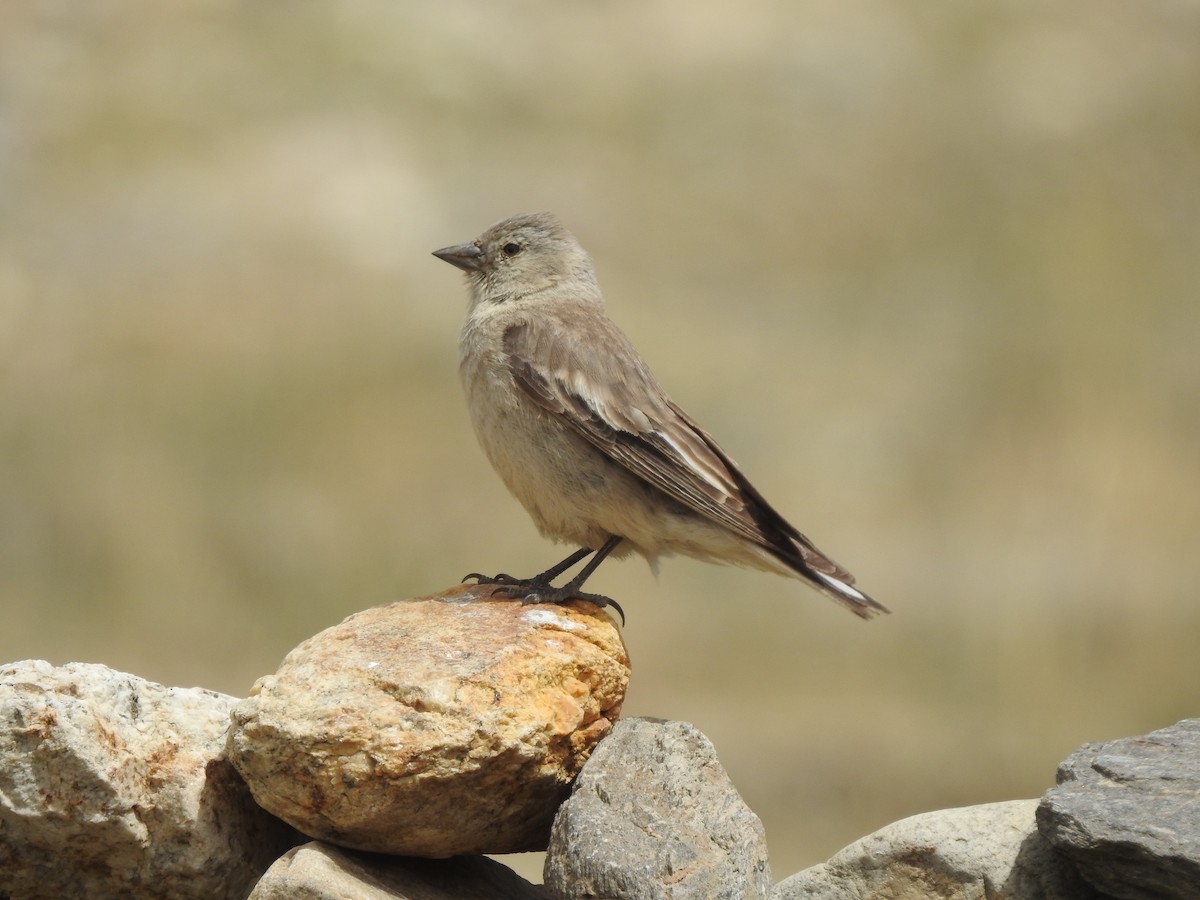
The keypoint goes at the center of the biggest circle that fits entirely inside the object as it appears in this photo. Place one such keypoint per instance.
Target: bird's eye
(511, 249)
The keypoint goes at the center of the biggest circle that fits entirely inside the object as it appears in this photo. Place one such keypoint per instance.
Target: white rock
(115, 786)
(318, 871)
(992, 851)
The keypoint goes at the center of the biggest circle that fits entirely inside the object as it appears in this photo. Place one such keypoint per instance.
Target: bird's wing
(609, 396)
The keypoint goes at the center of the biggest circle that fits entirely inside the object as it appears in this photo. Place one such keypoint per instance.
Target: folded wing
(611, 399)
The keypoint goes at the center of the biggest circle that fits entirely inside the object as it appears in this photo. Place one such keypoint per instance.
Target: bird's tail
(850, 597)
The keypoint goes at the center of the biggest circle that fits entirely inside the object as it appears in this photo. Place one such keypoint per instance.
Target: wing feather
(613, 401)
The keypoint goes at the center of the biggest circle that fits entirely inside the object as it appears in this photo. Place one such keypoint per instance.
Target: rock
(992, 851)
(1127, 813)
(111, 786)
(653, 815)
(318, 871)
(440, 726)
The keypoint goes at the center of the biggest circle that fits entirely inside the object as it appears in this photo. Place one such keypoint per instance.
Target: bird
(588, 441)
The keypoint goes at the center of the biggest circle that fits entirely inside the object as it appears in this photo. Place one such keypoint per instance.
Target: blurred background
(930, 274)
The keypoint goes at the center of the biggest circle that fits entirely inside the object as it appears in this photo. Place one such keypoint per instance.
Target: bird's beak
(467, 257)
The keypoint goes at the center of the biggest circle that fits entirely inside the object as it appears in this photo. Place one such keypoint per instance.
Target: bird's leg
(539, 589)
(571, 587)
(571, 590)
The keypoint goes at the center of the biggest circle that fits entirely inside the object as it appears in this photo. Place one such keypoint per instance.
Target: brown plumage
(585, 437)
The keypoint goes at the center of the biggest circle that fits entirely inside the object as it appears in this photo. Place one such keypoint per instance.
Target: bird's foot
(502, 579)
(536, 590)
(546, 593)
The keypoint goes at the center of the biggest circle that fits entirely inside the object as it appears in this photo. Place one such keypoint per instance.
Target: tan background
(930, 274)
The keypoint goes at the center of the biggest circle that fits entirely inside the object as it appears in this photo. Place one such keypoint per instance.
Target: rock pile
(453, 726)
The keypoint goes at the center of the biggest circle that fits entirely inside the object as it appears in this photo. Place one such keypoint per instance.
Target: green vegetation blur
(930, 274)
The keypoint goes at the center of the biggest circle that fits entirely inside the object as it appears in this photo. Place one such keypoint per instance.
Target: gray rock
(992, 851)
(653, 815)
(318, 871)
(1127, 813)
(112, 786)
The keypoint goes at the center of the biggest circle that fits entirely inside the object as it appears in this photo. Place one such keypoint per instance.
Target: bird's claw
(549, 594)
(495, 579)
(603, 602)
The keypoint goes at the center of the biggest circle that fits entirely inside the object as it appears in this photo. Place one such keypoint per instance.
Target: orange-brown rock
(438, 726)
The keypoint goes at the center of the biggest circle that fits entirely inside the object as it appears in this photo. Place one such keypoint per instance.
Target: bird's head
(520, 256)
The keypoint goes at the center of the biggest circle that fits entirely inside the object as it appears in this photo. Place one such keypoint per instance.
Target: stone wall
(390, 752)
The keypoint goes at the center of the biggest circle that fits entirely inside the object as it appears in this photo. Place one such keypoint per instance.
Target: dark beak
(467, 257)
